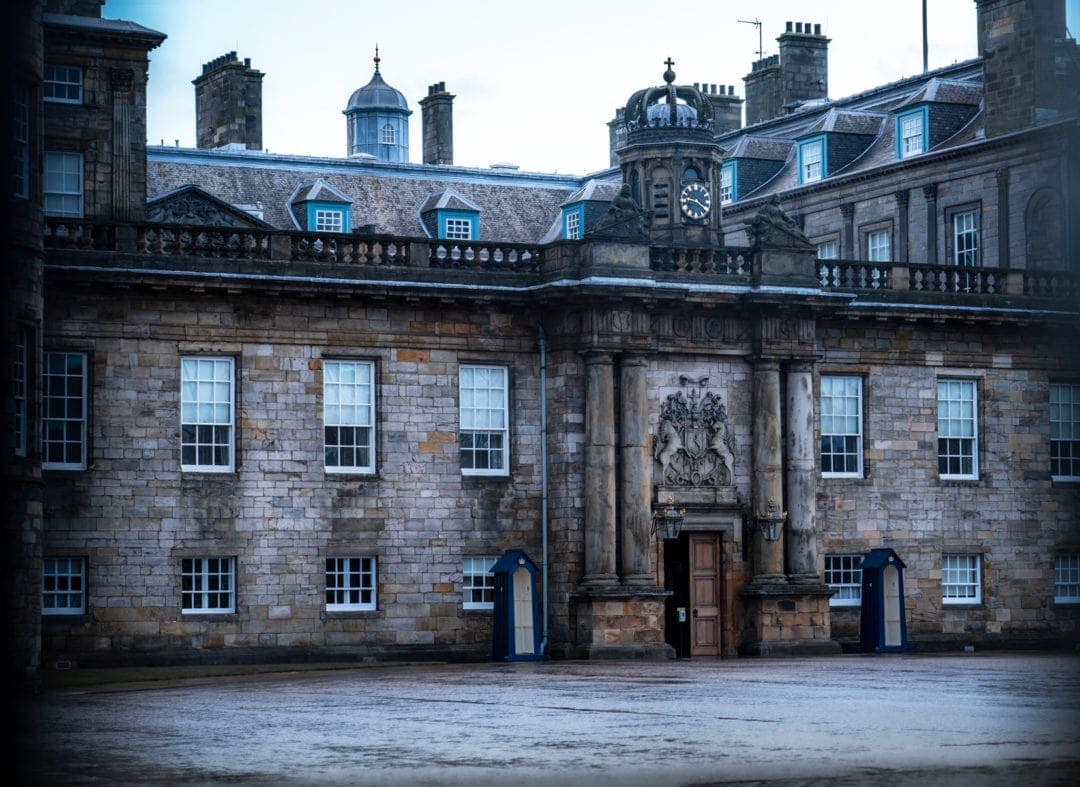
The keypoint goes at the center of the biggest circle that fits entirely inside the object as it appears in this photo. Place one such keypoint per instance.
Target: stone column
(902, 230)
(847, 215)
(599, 471)
(635, 481)
(1003, 219)
(120, 81)
(768, 556)
(930, 194)
(800, 540)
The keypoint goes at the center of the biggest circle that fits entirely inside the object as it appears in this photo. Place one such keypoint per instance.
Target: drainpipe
(542, 340)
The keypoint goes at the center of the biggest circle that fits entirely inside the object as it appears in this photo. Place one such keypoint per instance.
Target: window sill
(203, 616)
(962, 605)
(353, 614)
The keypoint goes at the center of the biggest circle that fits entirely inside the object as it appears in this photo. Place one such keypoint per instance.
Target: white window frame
(207, 585)
(351, 584)
(812, 166)
(329, 220)
(64, 404)
(961, 578)
(843, 573)
(388, 134)
(828, 249)
(483, 409)
(21, 138)
(207, 402)
(1067, 578)
(21, 391)
(477, 582)
(841, 404)
(912, 135)
(62, 84)
(63, 586)
(879, 246)
(958, 428)
(349, 416)
(63, 186)
(459, 228)
(727, 185)
(965, 226)
(573, 225)
(1065, 431)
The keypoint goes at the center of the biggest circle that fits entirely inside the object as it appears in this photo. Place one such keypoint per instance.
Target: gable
(194, 206)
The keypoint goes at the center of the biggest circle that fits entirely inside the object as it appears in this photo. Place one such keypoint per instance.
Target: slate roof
(766, 148)
(516, 207)
(317, 190)
(844, 121)
(870, 112)
(947, 91)
(595, 190)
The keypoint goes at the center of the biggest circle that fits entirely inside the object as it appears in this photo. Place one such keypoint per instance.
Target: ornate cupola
(377, 120)
(672, 164)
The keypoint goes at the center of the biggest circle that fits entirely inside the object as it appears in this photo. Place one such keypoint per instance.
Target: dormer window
(727, 183)
(812, 160)
(319, 207)
(458, 228)
(911, 133)
(449, 215)
(329, 220)
(572, 223)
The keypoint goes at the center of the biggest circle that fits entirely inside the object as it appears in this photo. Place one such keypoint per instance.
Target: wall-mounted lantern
(667, 520)
(771, 521)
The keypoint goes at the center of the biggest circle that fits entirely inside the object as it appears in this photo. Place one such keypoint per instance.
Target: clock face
(695, 201)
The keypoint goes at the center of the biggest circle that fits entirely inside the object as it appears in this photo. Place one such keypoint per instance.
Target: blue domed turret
(377, 120)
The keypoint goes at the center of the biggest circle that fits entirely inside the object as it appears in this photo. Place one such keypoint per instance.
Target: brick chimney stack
(437, 116)
(228, 104)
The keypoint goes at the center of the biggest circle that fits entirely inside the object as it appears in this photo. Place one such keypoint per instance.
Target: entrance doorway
(692, 571)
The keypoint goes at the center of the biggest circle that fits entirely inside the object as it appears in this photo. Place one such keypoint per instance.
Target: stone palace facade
(282, 407)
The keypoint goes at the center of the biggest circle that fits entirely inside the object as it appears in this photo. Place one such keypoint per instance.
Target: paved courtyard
(908, 720)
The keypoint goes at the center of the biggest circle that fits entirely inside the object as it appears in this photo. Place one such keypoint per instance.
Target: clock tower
(672, 164)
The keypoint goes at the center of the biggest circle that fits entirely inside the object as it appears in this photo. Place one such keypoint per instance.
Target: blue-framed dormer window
(728, 192)
(573, 221)
(813, 164)
(911, 136)
(459, 225)
(329, 217)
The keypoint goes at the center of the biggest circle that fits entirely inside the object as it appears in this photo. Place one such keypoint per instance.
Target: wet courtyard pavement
(901, 720)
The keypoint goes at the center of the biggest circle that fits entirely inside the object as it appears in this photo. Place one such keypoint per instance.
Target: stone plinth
(618, 623)
(786, 620)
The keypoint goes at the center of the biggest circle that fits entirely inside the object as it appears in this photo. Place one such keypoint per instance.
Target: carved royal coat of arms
(694, 444)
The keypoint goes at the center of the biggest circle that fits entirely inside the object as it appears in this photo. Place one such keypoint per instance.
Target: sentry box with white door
(517, 622)
(883, 625)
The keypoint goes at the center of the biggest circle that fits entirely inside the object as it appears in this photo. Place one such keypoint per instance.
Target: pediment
(192, 205)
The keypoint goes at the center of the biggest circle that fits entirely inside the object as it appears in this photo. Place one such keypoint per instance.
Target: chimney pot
(817, 29)
(788, 27)
(798, 27)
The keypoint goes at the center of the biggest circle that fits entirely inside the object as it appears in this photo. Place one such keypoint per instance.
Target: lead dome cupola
(376, 94)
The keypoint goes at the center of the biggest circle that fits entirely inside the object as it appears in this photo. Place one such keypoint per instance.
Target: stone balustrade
(174, 240)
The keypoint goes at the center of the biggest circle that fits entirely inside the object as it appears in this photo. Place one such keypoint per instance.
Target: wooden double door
(693, 574)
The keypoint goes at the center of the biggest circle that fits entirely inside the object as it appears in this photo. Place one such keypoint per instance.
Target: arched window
(388, 136)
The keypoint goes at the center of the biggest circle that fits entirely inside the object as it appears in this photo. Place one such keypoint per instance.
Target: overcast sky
(536, 82)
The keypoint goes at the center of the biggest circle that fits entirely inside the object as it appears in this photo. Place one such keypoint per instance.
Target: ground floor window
(478, 583)
(208, 584)
(1067, 579)
(350, 584)
(961, 580)
(843, 573)
(63, 586)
